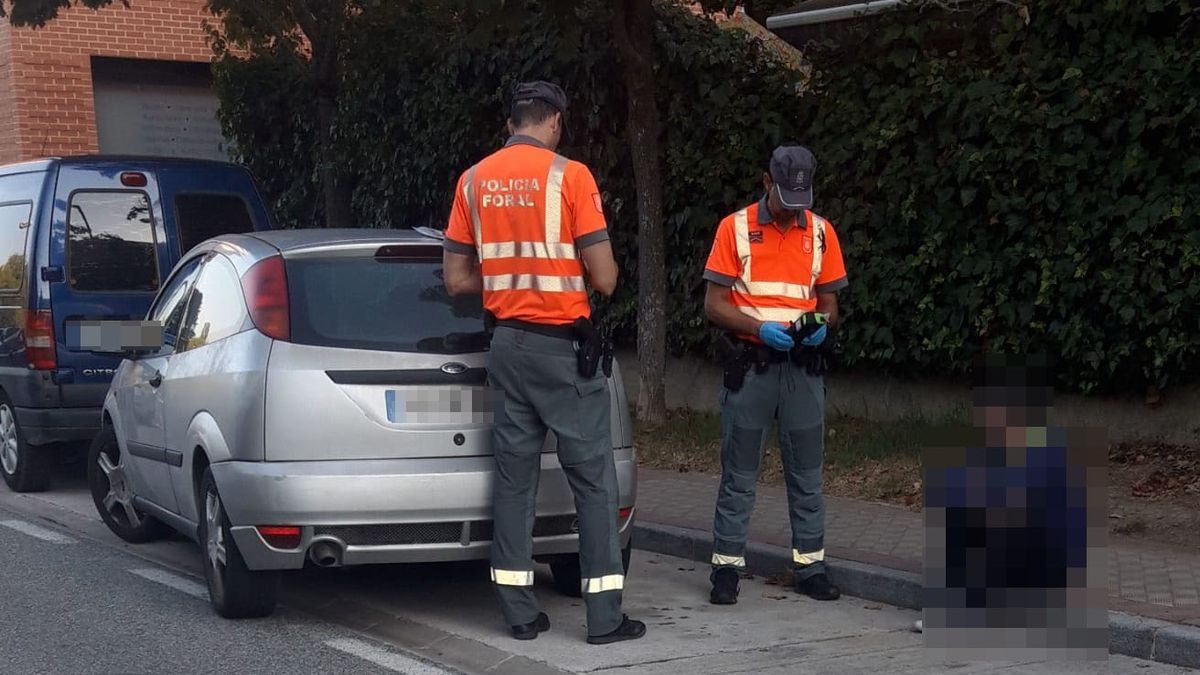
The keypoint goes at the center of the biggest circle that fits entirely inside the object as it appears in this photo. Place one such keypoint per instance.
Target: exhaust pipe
(325, 553)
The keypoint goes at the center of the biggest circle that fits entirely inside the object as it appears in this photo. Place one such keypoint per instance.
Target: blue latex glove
(816, 338)
(775, 336)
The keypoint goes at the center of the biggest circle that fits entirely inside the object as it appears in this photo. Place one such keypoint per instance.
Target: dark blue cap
(792, 169)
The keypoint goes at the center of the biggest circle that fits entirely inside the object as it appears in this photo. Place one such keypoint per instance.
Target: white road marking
(382, 657)
(181, 584)
(37, 532)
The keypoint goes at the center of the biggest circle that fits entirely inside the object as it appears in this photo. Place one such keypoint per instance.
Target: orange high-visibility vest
(525, 213)
(775, 274)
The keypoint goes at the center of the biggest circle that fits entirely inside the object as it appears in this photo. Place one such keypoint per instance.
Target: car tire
(568, 578)
(112, 492)
(25, 468)
(235, 591)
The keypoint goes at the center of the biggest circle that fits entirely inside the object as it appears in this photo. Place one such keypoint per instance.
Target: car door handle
(156, 379)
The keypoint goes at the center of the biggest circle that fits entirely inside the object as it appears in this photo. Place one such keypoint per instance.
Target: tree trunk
(323, 23)
(634, 34)
(334, 185)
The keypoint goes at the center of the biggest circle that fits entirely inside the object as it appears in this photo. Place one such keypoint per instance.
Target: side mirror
(122, 339)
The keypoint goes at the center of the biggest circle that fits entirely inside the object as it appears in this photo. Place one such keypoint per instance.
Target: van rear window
(110, 242)
(204, 216)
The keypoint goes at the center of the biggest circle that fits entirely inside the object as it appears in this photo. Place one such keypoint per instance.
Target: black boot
(530, 631)
(818, 587)
(628, 630)
(725, 586)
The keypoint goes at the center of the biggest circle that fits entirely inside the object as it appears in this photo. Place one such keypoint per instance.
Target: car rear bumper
(394, 511)
(42, 426)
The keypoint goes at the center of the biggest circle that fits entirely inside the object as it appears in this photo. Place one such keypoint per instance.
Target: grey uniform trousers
(785, 392)
(540, 389)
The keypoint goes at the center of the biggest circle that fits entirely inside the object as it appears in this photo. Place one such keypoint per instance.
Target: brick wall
(9, 140)
(51, 71)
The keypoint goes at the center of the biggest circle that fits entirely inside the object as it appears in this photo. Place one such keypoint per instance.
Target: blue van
(88, 239)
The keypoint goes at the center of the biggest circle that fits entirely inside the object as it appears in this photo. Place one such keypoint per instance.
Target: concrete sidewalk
(876, 552)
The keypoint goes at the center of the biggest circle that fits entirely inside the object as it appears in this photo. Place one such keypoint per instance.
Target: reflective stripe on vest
(746, 285)
(551, 248)
(533, 282)
(476, 223)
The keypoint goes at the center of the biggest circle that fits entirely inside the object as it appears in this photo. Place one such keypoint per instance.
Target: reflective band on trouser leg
(533, 282)
(728, 560)
(807, 558)
(554, 183)
(512, 577)
(612, 582)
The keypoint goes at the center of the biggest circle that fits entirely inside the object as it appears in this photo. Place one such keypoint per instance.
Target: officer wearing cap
(772, 282)
(527, 230)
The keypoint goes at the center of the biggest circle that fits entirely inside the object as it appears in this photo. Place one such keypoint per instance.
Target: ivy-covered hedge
(1014, 179)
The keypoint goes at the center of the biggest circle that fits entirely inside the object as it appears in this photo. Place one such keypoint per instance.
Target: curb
(1129, 635)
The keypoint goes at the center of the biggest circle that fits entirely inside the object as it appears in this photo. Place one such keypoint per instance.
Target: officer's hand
(817, 337)
(775, 336)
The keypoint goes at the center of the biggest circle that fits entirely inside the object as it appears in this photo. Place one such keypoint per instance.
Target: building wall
(9, 140)
(51, 69)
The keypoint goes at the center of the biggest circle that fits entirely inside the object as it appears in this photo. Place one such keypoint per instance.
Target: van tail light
(285, 537)
(624, 514)
(266, 291)
(40, 351)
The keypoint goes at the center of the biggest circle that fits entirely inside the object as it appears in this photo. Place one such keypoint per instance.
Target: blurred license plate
(442, 405)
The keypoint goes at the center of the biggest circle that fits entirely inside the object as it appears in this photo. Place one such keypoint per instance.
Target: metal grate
(550, 526)
(394, 535)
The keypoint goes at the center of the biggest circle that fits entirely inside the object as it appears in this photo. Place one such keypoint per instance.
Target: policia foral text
(526, 226)
(773, 277)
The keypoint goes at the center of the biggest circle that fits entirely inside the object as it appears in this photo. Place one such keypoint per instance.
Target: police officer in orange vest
(527, 230)
(773, 277)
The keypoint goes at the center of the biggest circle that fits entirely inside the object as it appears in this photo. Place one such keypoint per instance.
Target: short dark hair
(531, 111)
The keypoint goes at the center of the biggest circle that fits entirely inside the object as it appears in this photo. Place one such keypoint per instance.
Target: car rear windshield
(204, 216)
(392, 304)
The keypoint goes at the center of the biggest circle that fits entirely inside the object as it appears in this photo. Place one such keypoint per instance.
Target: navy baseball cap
(546, 92)
(792, 169)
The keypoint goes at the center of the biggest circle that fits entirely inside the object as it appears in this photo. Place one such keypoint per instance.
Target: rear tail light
(624, 514)
(266, 291)
(40, 351)
(286, 537)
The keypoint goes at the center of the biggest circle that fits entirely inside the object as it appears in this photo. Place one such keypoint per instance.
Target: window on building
(14, 227)
(110, 242)
(204, 216)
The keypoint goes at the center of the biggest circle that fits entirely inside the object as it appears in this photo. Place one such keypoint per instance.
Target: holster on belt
(591, 348)
(735, 361)
(489, 322)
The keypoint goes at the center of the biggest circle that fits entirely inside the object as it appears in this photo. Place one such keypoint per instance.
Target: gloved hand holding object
(775, 336)
(810, 329)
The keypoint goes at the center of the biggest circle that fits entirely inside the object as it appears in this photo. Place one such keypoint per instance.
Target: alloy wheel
(214, 545)
(9, 444)
(118, 501)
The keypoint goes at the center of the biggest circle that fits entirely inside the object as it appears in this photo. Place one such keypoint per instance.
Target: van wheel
(25, 468)
(112, 492)
(568, 578)
(235, 591)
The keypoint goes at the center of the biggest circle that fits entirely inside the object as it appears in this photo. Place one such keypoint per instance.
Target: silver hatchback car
(318, 398)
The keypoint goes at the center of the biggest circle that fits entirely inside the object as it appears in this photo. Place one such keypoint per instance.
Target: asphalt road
(75, 599)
